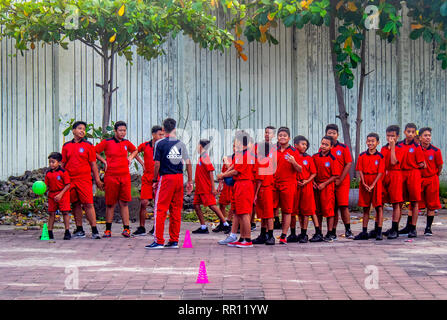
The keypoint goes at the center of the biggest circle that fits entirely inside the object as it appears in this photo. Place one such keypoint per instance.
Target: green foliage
(24, 206)
(90, 131)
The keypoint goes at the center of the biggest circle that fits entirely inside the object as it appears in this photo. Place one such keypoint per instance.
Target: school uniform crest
(327, 164)
(81, 150)
(376, 162)
(125, 147)
(411, 150)
(430, 158)
(305, 162)
(338, 152)
(58, 178)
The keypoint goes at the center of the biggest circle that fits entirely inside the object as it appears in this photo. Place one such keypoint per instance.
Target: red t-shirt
(148, 149)
(386, 152)
(116, 155)
(77, 157)
(327, 166)
(243, 167)
(265, 169)
(412, 155)
(433, 159)
(203, 169)
(56, 180)
(341, 152)
(371, 163)
(285, 172)
(308, 166)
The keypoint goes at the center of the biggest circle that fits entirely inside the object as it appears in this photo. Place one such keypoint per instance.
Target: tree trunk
(105, 87)
(358, 121)
(343, 115)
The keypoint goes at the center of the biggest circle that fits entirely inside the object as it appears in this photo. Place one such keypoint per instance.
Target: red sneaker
(126, 233)
(233, 244)
(245, 244)
(107, 234)
(282, 241)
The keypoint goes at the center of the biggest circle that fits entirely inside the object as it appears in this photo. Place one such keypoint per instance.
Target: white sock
(203, 226)
(226, 224)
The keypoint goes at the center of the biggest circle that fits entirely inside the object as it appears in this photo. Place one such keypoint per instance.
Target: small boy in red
(147, 192)
(285, 182)
(305, 200)
(430, 177)
(264, 192)
(328, 169)
(117, 181)
(413, 160)
(371, 167)
(57, 181)
(242, 174)
(225, 192)
(343, 183)
(205, 193)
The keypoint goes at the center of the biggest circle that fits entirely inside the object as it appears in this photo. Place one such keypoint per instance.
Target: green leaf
(389, 26)
(427, 36)
(66, 132)
(289, 20)
(415, 34)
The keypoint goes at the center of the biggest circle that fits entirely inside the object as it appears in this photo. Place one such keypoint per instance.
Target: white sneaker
(229, 239)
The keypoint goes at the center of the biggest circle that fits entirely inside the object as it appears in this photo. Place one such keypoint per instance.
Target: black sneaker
(392, 234)
(348, 234)
(412, 234)
(227, 229)
(96, 236)
(200, 231)
(333, 237)
(270, 241)
(154, 246)
(304, 239)
(260, 240)
(428, 232)
(219, 228)
(292, 238)
(67, 236)
(386, 233)
(317, 237)
(328, 237)
(299, 237)
(152, 231)
(141, 231)
(379, 236)
(372, 234)
(361, 236)
(79, 234)
(171, 245)
(277, 225)
(253, 226)
(404, 231)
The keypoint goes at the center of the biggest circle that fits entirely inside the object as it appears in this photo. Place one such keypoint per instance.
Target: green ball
(39, 187)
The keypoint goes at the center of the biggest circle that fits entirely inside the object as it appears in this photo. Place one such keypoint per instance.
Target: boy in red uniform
(147, 193)
(225, 193)
(305, 200)
(170, 155)
(430, 177)
(285, 182)
(371, 167)
(79, 159)
(343, 183)
(242, 174)
(392, 183)
(117, 175)
(413, 160)
(328, 170)
(58, 184)
(205, 193)
(264, 192)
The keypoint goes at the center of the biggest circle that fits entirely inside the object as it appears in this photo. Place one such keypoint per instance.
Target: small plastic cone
(45, 235)
(202, 277)
(187, 242)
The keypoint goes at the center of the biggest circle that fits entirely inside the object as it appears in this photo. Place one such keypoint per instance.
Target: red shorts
(430, 193)
(225, 195)
(392, 187)
(284, 196)
(81, 189)
(305, 200)
(206, 199)
(367, 198)
(147, 193)
(342, 192)
(117, 188)
(63, 205)
(264, 203)
(325, 201)
(411, 185)
(243, 196)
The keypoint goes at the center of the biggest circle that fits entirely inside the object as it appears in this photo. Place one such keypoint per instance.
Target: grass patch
(443, 189)
(208, 215)
(134, 191)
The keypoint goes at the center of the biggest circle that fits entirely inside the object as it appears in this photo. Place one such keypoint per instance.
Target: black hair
(264, 149)
(422, 130)
(284, 129)
(156, 128)
(270, 127)
(169, 125)
(330, 139)
(78, 123)
(120, 124)
(373, 135)
(331, 126)
(298, 139)
(410, 126)
(204, 143)
(56, 156)
(243, 137)
(393, 128)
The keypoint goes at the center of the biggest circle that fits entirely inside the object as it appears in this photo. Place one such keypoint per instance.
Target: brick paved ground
(119, 268)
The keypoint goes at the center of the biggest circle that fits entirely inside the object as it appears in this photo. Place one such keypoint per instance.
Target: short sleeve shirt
(77, 157)
(412, 155)
(116, 155)
(243, 164)
(56, 180)
(308, 166)
(386, 152)
(203, 169)
(433, 159)
(285, 172)
(327, 166)
(148, 150)
(171, 153)
(371, 163)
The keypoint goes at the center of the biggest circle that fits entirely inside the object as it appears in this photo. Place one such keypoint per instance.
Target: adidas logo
(174, 153)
